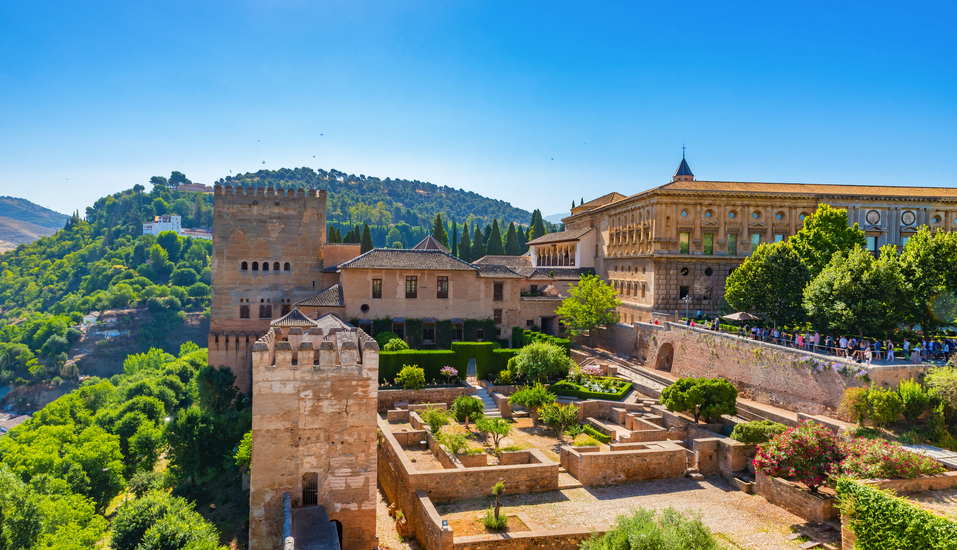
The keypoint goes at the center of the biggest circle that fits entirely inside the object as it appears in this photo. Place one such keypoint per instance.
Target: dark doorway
(666, 355)
(338, 526)
(549, 325)
(310, 489)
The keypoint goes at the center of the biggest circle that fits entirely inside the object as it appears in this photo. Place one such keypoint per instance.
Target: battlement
(337, 349)
(229, 192)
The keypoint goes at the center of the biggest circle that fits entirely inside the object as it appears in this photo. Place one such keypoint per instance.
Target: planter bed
(569, 389)
(796, 498)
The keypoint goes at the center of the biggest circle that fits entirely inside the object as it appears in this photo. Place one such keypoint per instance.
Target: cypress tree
(522, 240)
(512, 246)
(465, 245)
(494, 245)
(478, 243)
(455, 239)
(538, 225)
(486, 235)
(366, 244)
(573, 203)
(438, 231)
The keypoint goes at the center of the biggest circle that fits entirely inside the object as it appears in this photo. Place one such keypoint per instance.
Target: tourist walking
(890, 350)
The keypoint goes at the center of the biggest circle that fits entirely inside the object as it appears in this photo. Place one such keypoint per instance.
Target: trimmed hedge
(532, 336)
(518, 337)
(431, 361)
(569, 389)
(481, 351)
(882, 521)
(499, 363)
(596, 434)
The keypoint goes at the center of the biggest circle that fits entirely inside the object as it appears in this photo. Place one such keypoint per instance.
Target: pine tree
(573, 203)
(522, 240)
(338, 235)
(486, 235)
(538, 225)
(494, 245)
(478, 243)
(438, 231)
(455, 239)
(366, 244)
(582, 202)
(465, 245)
(512, 246)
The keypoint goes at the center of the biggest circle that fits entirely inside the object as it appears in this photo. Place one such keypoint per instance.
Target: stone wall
(388, 398)
(946, 480)
(794, 499)
(657, 461)
(552, 539)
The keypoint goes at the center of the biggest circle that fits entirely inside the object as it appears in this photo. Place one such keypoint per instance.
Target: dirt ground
(943, 502)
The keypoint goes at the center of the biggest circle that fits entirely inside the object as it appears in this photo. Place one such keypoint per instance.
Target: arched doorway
(310, 489)
(665, 357)
(338, 525)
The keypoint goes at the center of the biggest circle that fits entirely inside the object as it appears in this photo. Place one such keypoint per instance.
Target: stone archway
(665, 357)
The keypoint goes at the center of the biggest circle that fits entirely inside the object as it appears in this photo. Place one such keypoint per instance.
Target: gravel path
(745, 521)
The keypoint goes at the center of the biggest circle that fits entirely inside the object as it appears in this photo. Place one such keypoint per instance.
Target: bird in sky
(264, 162)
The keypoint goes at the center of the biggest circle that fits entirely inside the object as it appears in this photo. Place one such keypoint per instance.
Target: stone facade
(683, 238)
(314, 431)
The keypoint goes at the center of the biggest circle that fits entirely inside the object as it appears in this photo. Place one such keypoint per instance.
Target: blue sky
(534, 103)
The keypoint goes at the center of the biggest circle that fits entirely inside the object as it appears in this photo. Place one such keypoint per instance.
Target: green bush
(532, 397)
(435, 418)
(707, 397)
(596, 434)
(493, 523)
(569, 389)
(650, 530)
(585, 440)
(395, 344)
(541, 361)
(468, 407)
(854, 405)
(913, 399)
(500, 359)
(884, 406)
(503, 378)
(882, 521)
(756, 432)
(530, 336)
(411, 377)
(383, 338)
(430, 361)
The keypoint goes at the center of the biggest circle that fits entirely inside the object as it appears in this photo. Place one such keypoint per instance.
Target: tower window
(265, 267)
(411, 286)
(244, 266)
(286, 267)
(275, 266)
(255, 266)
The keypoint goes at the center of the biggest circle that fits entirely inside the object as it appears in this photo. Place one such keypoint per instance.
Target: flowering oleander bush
(809, 453)
(879, 458)
(591, 370)
(448, 372)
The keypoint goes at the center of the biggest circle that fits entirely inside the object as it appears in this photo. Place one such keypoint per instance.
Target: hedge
(532, 336)
(597, 435)
(431, 361)
(569, 389)
(882, 521)
(499, 363)
(518, 337)
(481, 351)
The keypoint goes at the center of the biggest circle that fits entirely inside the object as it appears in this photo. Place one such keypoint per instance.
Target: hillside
(22, 221)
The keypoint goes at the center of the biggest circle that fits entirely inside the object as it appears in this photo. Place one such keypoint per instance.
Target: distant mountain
(21, 221)
(557, 218)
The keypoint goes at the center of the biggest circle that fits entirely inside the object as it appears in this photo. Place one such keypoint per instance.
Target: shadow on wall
(665, 357)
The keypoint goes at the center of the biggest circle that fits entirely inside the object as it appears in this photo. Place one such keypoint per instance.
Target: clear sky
(534, 103)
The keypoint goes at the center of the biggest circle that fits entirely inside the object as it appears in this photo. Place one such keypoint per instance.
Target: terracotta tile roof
(810, 189)
(330, 321)
(569, 235)
(558, 273)
(429, 243)
(294, 318)
(511, 262)
(497, 272)
(410, 259)
(603, 200)
(330, 297)
(542, 298)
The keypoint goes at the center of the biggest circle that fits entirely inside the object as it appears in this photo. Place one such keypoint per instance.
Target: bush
(435, 418)
(541, 361)
(493, 523)
(559, 417)
(943, 385)
(532, 397)
(383, 338)
(913, 399)
(884, 406)
(468, 407)
(809, 453)
(650, 530)
(757, 431)
(504, 378)
(585, 440)
(882, 521)
(881, 459)
(708, 397)
(495, 427)
(453, 437)
(854, 405)
(411, 377)
(597, 435)
(395, 344)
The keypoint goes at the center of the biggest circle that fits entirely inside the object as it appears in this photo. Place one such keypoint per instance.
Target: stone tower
(314, 431)
(267, 254)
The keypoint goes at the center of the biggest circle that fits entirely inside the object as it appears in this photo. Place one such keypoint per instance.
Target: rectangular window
(497, 315)
(428, 334)
(904, 241)
(755, 241)
(732, 244)
(872, 243)
(265, 311)
(534, 290)
(778, 237)
(709, 244)
(684, 243)
(411, 286)
(530, 323)
(376, 288)
(458, 332)
(399, 329)
(642, 290)
(244, 312)
(284, 309)
(497, 291)
(479, 334)
(442, 287)
(682, 292)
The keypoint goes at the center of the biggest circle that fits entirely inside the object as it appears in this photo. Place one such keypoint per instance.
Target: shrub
(559, 417)
(757, 431)
(884, 406)
(585, 440)
(532, 397)
(504, 378)
(540, 361)
(395, 344)
(650, 530)
(913, 399)
(597, 435)
(496, 427)
(453, 437)
(384, 338)
(435, 418)
(708, 397)
(466, 407)
(411, 376)
(879, 458)
(492, 520)
(854, 405)
(611, 389)
(943, 385)
(809, 453)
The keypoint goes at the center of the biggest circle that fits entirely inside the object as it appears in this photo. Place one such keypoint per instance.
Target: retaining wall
(795, 499)
(656, 461)
(388, 398)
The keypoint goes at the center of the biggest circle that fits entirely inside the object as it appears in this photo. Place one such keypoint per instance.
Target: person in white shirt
(843, 347)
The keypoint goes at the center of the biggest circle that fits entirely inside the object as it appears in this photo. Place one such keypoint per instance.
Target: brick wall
(937, 482)
(657, 461)
(551, 539)
(794, 499)
(388, 398)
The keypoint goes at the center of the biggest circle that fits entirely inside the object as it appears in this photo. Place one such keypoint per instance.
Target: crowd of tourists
(863, 350)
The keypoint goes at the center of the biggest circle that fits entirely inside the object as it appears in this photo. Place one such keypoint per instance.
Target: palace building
(671, 248)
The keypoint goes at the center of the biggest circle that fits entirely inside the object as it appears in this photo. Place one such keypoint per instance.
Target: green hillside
(25, 211)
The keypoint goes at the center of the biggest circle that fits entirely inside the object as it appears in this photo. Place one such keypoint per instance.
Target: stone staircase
(491, 411)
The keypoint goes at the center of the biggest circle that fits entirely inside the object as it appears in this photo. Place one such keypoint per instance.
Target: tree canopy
(825, 232)
(589, 305)
(770, 282)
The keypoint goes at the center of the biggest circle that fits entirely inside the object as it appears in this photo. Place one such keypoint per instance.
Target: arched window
(275, 266)
(255, 266)
(265, 266)
(286, 267)
(244, 266)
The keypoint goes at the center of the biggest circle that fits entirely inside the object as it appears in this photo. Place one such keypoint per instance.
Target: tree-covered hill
(21, 221)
